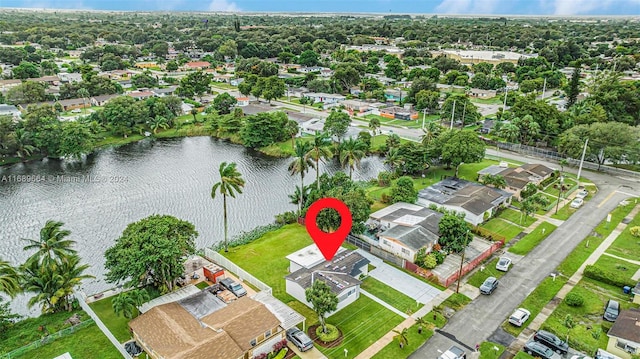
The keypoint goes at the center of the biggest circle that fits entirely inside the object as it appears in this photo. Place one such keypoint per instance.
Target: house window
(405, 251)
(253, 342)
(626, 347)
(385, 242)
(267, 334)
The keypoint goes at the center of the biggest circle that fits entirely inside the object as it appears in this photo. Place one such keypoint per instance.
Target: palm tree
(496, 181)
(509, 132)
(231, 182)
(140, 296)
(393, 141)
(44, 281)
(431, 131)
(320, 150)
(157, 123)
(374, 125)
(194, 112)
(393, 159)
(295, 197)
(71, 276)
(9, 279)
(52, 244)
(421, 322)
(402, 337)
(301, 164)
(84, 93)
(124, 304)
(351, 152)
(292, 129)
(24, 148)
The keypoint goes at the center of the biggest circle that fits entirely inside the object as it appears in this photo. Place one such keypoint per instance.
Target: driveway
(400, 281)
(478, 320)
(313, 353)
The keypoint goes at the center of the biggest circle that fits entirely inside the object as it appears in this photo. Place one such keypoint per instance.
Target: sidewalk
(388, 338)
(537, 322)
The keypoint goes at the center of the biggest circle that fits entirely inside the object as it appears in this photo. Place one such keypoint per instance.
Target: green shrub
(287, 218)
(384, 178)
(596, 333)
(606, 326)
(439, 256)
(635, 231)
(607, 277)
(332, 333)
(574, 300)
(248, 237)
(430, 261)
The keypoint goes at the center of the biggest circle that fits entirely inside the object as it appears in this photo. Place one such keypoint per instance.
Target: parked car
(234, 287)
(611, 310)
(453, 353)
(582, 193)
(581, 357)
(490, 284)
(540, 350)
(503, 264)
(299, 339)
(77, 110)
(519, 317)
(577, 203)
(552, 341)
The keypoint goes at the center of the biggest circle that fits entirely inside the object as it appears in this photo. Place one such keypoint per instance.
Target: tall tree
(322, 299)
(223, 103)
(573, 89)
(462, 147)
(402, 336)
(301, 164)
(231, 182)
(374, 125)
(351, 153)
(151, 250)
(319, 151)
(337, 124)
(455, 233)
(52, 245)
(9, 279)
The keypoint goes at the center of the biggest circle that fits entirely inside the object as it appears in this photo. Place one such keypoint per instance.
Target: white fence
(102, 327)
(234, 268)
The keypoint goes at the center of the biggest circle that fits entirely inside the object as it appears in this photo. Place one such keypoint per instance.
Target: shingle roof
(627, 326)
(471, 196)
(413, 237)
(338, 273)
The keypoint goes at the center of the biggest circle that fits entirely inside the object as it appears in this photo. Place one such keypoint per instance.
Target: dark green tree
(337, 124)
(322, 299)
(455, 233)
(223, 103)
(403, 191)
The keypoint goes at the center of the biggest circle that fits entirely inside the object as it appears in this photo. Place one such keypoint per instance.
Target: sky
(487, 7)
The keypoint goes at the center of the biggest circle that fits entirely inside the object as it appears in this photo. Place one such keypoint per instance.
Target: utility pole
(464, 109)
(584, 151)
(544, 87)
(460, 272)
(424, 115)
(453, 113)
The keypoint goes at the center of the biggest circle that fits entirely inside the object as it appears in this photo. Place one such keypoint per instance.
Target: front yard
(531, 240)
(490, 270)
(503, 228)
(396, 299)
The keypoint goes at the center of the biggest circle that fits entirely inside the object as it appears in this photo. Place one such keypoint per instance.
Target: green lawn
(490, 270)
(86, 343)
(284, 148)
(202, 285)
(617, 266)
(516, 217)
(626, 245)
(265, 257)
(568, 183)
(118, 325)
(523, 355)
(27, 331)
(414, 341)
(401, 123)
(362, 323)
(564, 212)
(456, 301)
(488, 350)
(502, 228)
(531, 240)
(391, 296)
(497, 100)
(537, 300)
(375, 192)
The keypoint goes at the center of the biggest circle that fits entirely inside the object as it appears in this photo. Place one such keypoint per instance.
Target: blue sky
(519, 7)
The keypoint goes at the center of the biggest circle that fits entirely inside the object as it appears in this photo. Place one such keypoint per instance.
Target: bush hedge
(574, 300)
(608, 277)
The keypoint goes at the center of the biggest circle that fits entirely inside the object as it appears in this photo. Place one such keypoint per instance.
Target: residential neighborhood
(161, 168)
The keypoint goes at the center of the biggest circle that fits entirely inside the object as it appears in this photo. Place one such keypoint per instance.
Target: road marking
(453, 338)
(606, 199)
(627, 193)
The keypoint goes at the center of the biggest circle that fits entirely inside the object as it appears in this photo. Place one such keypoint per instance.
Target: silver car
(503, 264)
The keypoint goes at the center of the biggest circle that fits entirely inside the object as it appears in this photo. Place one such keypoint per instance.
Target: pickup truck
(453, 353)
(234, 287)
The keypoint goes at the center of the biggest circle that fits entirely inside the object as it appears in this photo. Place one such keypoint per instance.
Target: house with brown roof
(518, 178)
(340, 274)
(197, 65)
(202, 326)
(624, 335)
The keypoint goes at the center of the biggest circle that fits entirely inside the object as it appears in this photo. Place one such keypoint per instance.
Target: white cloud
(468, 6)
(576, 7)
(223, 5)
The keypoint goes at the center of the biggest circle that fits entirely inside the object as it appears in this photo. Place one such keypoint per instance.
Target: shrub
(384, 179)
(596, 334)
(385, 198)
(248, 237)
(287, 218)
(332, 333)
(430, 261)
(635, 231)
(574, 300)
(568, 321)
(607, 277)
(439, 256)
(282, 353)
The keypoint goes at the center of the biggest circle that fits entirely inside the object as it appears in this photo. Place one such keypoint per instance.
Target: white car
(577, 203)
(519, 317)
(503, 264)
(582, 194)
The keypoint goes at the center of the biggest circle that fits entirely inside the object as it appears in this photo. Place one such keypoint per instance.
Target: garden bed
(332, 344)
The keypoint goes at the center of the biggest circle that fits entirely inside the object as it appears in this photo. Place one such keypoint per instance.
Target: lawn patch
(626, 245)
(522, 355)
(490, 270)
(488, 350)
(396, 299)
(503, 228)
(516, 217)
(531, 240)
(265, 257)
(362, 323)
(456, 301)
(118, 325)
(414, 341)
(564, 212)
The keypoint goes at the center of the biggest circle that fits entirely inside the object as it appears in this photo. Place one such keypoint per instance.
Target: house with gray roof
(518, 178)
(9, 110)
(624, 335)
(404, 229)
(340, 274)
(477, 202)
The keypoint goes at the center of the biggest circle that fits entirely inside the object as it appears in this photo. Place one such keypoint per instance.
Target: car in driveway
(519, 317)
(611, 311)
(551, 341)
(503, 264)
(490, 284)
(234, 287)
(577, 203)
(540, 350)
(582, 194)
(453, 353)
(299, 339)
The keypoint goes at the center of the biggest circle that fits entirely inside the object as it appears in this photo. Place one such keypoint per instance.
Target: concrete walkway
(388, 338)
(537, 322)
(383, 303)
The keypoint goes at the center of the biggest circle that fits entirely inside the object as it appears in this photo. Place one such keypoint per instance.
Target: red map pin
(328, 243)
